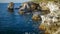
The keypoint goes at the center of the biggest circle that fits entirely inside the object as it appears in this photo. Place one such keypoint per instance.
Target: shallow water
(14, 23)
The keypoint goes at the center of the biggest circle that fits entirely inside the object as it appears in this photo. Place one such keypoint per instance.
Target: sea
(14, 23)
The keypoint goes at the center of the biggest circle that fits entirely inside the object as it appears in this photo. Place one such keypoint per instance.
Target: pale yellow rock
(33, 7)
(21, 12)
(46, 32)
(36, 18)
(42, 27)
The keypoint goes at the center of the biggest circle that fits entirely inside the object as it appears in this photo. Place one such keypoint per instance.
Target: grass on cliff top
(38, 1)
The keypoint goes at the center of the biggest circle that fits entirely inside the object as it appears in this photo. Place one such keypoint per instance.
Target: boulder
(21, 12)
(11, 6)
(36, 18)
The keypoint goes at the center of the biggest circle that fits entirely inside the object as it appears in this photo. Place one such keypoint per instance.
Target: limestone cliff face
(51, 22)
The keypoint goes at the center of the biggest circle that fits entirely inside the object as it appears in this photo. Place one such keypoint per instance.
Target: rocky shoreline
(48, 13)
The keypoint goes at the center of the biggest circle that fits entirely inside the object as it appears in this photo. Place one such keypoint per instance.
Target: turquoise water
(14, 23)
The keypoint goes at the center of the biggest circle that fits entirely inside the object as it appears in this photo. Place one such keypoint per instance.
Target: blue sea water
(14, 23)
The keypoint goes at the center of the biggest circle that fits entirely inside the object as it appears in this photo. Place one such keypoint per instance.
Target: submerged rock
(21, 12)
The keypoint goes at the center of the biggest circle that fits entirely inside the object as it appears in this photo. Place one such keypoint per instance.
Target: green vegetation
(37, 1)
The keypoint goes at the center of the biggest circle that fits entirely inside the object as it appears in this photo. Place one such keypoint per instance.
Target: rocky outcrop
(48, 13)
(29, 7)
(11, 6)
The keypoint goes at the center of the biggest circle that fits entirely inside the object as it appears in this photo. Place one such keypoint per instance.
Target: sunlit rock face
(24, 8)
(54, 8)
(44, 8)
(51, 22)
